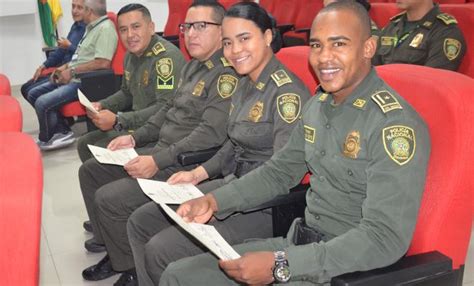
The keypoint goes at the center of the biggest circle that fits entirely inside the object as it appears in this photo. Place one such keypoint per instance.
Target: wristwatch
(281, 272)
(118, 126)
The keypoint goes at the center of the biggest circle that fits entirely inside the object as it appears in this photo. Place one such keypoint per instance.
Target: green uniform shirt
(99, 42)
(196, 116)
(435, 41)
(149, 82)
(367, 157)
(263, 114)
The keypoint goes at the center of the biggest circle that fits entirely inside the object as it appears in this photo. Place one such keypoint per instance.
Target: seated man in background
(367, 150)
(95, 51)
(422, 35)
(63, 53)
(194, 119)
(152, 66)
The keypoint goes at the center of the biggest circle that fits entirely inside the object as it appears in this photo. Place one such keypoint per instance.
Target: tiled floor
(63, 256)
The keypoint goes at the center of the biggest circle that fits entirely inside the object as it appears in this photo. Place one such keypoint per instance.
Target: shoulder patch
(447, 19)
(397, 17)
(309, 134)
(451, 48)
(280, 77)
(386, 101)
(226, 85)
(164, 67)
(158, 48)
(289, 107)
(225, 62)
(400, 143)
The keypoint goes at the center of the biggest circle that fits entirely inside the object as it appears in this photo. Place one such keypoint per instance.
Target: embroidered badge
(415, 43)
(400, 143)
(309, 134)
(127, 75)
(359, 103)
(226, 85)
(386, 101)
(256, 112)
(209, 64)
(164, 67)
(323, 97)
(452, 48)
(352, 144)
(260, 86)
(388, 41)
(225, 62)
(289, 107)
(198, 88)
(158, 48)
(164, 83)
(427, 24)
(280, 77)
(145, 78)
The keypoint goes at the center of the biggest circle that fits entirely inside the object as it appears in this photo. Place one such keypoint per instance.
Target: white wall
(21, 39)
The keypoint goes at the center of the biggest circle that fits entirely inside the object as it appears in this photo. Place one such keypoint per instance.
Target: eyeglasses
(198, 26)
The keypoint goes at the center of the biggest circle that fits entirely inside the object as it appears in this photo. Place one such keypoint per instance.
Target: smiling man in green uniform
(367, 151)
(152, 67)
(422, 35)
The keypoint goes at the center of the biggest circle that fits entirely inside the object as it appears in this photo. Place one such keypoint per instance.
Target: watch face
(282, 273)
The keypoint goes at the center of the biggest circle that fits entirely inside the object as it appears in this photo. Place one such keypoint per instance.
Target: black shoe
(87, 225)
(100, 271)
(128, 278)
(93, 246)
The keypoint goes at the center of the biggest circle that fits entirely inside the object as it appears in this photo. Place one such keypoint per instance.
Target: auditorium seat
(382, 12)
(5, 87)
(303, 21)
(439, 246)
(296, 60)
(21, 187)
(10, 114)
(99, 84)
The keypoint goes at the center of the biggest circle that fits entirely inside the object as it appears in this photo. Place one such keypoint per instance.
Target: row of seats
(20, 202)
(445, 218)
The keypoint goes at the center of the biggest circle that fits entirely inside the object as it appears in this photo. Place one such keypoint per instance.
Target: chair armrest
(283, 28)
(409, 269)
(196, 157)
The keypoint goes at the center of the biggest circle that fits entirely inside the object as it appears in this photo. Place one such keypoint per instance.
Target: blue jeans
(47, 99)
(29, 85)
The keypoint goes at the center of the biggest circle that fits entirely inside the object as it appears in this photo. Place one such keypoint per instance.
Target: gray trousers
(203, 270)
(156, 241)
(98, 138)
(110, 196)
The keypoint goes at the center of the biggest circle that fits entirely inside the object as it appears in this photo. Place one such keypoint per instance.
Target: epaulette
(158, 48)
(386, 101)
(280, 77)
(447, 19)
(397, 17)
(225, 62)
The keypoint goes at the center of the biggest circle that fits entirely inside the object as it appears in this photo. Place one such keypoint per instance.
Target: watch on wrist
(118, 126)
(281, 272)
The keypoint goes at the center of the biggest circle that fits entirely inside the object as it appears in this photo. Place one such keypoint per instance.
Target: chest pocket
(414, 55)
(352, 171)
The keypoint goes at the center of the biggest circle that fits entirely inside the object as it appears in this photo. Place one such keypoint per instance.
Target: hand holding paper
(162, 192)
(118, 157)
(85, 101)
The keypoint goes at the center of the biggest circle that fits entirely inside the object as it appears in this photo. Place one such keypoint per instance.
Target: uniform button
(328, 126)
(321, 178)
(323, 153)
(349, 172)
(317, 217)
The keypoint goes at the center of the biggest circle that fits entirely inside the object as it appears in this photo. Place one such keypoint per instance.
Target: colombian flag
(49, 12)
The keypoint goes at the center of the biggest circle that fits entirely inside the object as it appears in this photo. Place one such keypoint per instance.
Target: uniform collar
(149, 52)
(360, 97)
(214, 60)
(265, 75)
(96, 22)
(427, 20)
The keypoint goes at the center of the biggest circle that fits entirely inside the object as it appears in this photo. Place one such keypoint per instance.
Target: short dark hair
(356, 8)
(217, 8)
(260, 17)
(135, 7)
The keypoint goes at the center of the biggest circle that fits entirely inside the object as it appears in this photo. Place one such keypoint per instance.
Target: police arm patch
(451, 48)
(226, 85)
(164, 67)
(289, 107)
(400, 143)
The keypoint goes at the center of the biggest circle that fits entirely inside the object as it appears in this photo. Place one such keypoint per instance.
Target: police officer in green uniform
(152, 66)
(265, 108)
(422, 35)
(194, 119)
(367, 150)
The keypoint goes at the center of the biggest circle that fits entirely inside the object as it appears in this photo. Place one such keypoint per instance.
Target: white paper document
(162, 192)
(206, 234)
(118, 157)
(85, 101)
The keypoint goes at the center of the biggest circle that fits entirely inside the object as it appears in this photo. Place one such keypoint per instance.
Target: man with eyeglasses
(194, 119)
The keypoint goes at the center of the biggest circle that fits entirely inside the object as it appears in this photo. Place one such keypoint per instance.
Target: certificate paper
(206, 234)
(85, 101)
(118, 157)
(162, 192)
